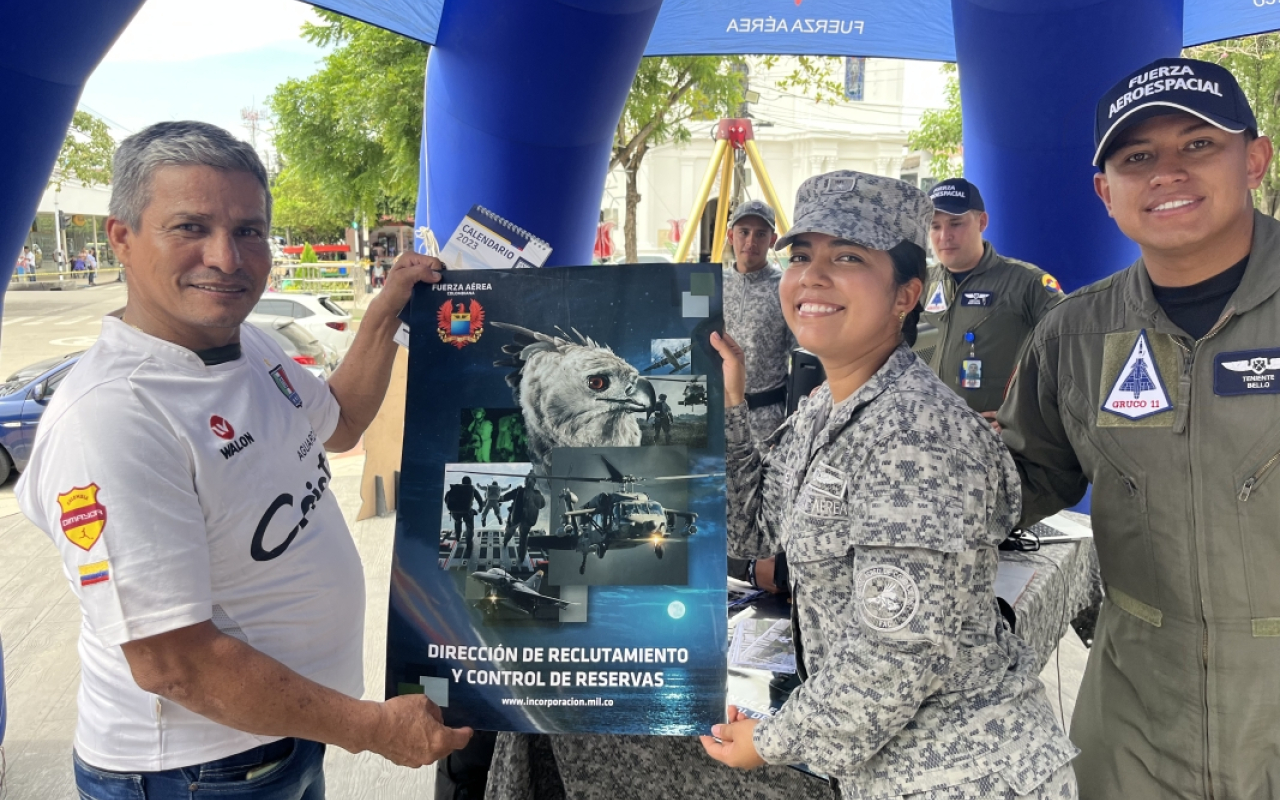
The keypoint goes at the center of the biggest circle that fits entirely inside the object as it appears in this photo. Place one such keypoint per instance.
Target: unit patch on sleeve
(1246, 372)
(977, 298)
(83, 517)
(1050, 284)
(1137, 390)
(285, 385)
(888, 597)
(937, 301)
(97, 572)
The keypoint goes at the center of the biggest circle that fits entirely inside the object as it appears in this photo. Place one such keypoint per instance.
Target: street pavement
(38, 325)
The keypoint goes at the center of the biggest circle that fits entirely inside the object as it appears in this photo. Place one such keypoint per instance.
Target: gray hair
(170, 144)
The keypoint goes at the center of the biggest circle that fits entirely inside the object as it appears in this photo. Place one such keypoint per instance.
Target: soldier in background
(753, 316)
(983, 304)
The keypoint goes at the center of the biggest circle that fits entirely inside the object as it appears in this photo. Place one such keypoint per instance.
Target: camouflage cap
(754, 208)
(872, 210)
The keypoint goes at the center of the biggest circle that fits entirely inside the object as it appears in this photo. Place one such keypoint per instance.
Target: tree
(86, 152)
(352, 130)
(308, 255)
(941, 131)
(303, 210)
(670, 92)
(1255, 61)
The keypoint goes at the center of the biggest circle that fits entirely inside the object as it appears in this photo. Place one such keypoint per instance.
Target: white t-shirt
(178, 493)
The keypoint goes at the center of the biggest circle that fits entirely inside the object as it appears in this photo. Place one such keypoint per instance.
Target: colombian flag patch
(97, 572)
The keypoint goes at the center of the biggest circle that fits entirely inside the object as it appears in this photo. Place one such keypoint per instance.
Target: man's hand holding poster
(560, 548)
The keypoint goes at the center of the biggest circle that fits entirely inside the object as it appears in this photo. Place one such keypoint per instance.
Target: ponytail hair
(908, 264)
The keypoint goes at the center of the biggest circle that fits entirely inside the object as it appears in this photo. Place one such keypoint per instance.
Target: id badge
(971, 373)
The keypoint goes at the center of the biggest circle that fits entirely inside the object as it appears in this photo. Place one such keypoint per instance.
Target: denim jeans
(290, 769)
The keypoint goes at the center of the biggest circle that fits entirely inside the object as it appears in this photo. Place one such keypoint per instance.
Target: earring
(902, 317)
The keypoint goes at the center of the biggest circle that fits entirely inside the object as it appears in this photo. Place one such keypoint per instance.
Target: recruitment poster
(560, 545)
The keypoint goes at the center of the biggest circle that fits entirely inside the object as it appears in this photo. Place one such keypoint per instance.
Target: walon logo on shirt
(223, 430)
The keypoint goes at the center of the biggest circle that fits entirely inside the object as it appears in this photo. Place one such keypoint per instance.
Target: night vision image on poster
(560, 542)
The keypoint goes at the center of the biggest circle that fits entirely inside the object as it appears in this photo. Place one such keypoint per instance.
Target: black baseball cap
(754, 208)
(956, 196)
(1170, 86)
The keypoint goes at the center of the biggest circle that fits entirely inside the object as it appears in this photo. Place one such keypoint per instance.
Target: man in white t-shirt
(181, 471)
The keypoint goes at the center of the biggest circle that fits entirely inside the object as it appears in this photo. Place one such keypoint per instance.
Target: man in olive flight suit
(1160, 385)
(983, 304)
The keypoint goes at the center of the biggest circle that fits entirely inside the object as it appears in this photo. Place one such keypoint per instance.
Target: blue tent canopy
(917, 29)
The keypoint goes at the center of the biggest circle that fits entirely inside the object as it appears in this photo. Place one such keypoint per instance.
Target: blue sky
(200, 59)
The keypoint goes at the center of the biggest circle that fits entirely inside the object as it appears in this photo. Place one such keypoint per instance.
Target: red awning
(319, 248)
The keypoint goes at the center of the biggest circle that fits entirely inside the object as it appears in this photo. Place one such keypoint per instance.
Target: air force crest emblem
(460, 324)
(1139, 389)
(888, 597)
(83, 517)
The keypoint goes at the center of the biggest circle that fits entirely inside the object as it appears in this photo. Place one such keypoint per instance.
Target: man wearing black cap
(983, 304)
(753, 315)
(1160, 386)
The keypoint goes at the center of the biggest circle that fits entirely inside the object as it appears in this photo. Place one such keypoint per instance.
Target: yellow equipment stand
(731, 134)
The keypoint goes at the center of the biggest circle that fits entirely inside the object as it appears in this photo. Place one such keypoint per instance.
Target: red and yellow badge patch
(460, 325)
(83, 517)
(1051, 283)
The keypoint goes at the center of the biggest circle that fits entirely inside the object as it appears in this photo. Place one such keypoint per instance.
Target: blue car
(23, 398)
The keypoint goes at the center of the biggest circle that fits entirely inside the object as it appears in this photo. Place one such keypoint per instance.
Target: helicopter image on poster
(620, 519)
(503, 591)
(695, 394)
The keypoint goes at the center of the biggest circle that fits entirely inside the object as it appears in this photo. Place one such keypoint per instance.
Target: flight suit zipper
(1246, 488)
(1189, 357)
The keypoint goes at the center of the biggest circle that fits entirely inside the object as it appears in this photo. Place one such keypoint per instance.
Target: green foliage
(352, 130)
(304, 210)
(308, 256)
(940, 131)
(86, 152)
(820, 77)
(1255, 61)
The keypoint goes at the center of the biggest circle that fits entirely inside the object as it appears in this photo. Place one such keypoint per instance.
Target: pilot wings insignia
(1255, 365)
(459, 324)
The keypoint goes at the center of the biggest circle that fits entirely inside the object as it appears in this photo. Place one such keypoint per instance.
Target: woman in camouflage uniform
(889, 497)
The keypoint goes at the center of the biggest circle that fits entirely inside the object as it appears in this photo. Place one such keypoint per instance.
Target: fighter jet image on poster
(503, 592)
(670, 356)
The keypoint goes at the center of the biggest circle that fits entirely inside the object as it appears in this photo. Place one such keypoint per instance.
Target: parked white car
(315, 312)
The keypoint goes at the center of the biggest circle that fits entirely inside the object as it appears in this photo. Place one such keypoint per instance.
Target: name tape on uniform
(1246, 372)
(977, 298)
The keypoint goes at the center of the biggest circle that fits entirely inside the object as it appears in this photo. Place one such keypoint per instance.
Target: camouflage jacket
(753, 317)
(890, 506)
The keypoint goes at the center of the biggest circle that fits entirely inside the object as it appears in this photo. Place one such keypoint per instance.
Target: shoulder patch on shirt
(285, 386)
(937, 301)
(97, 572)
(888, 597)
(1137, 390)
(977, 298)
(1246, 372)
(83, 517)
(1050, 284)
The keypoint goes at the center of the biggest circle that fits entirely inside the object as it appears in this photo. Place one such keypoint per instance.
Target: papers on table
(763, 643)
